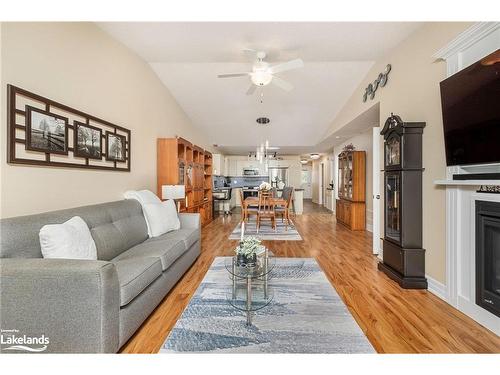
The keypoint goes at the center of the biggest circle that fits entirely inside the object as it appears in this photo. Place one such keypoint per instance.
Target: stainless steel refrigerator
(278, 176)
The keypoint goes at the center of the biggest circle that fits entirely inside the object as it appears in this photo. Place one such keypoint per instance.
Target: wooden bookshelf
(179, 162)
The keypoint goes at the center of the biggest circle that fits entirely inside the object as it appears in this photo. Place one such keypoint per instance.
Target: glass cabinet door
(393, 151)
(392, 206)
(181, 173)
(349, 176)
(341, 177)
(189, 176)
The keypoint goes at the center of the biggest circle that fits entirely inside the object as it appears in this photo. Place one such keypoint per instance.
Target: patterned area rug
(266, 232)
(306, 315)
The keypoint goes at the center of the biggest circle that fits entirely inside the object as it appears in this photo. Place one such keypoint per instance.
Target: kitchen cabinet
(329, 199)
(232, 168)
(236, 197)
(250, 164)
(218, 164)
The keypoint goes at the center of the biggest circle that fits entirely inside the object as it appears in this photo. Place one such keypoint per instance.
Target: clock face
(392, 151)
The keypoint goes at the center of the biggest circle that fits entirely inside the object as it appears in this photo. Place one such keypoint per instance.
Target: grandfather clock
(403, 256)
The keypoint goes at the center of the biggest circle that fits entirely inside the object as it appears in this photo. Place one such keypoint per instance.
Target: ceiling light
(304, 161)
(338, 136)
(261, 77)
(263, 120)
(314, 156)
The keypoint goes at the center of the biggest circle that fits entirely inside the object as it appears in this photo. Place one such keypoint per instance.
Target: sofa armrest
(75, 303)
(190, 220)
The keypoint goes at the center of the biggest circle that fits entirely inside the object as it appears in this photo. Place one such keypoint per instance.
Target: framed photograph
(115, 147)
(87, 141)
(46, 132)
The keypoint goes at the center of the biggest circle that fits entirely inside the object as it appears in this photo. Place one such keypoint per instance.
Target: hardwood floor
(394, 320)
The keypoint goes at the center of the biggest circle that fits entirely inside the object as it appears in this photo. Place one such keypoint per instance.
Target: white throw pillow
(143, 197)
(69, 240)
(162, 217)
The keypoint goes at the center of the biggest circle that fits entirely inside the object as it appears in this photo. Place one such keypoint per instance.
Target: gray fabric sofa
(87, 306)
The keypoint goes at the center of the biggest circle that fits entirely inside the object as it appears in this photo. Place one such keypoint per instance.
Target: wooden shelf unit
(179, 162)
(351, 207)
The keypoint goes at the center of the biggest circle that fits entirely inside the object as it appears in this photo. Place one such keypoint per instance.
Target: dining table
(254, 202)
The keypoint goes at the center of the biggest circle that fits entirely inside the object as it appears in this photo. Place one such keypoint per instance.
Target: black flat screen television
(470, 101)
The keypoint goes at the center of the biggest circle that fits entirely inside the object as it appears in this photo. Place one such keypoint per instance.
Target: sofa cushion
(135, 275)
(161, 217)
(166, 250)
(69, 240)
(187, 235)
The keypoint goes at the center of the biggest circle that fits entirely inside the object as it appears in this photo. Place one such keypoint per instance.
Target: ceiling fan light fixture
(261, 77)
(303, 161)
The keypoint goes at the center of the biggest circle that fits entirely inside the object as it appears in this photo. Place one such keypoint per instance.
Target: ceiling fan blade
(289, 65)
(232, 75)
(251, 89)
(281, 83)
(250, 51)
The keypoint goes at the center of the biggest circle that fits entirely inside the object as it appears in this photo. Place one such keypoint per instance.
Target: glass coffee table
(250, 290)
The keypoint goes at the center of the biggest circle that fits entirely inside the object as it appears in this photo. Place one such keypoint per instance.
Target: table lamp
(174, 192)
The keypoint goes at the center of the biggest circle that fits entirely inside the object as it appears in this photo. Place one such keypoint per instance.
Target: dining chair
(266, 209)
(246, 209)
(284, 211)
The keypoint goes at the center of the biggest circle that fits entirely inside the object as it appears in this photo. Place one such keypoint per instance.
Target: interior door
(305, 184)
(321, 184)
(377, 248)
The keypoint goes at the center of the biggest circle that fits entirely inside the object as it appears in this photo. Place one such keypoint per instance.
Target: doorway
(306, 181)
(321, 184)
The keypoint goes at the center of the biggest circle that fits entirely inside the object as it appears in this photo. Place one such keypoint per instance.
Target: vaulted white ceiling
(187, 57)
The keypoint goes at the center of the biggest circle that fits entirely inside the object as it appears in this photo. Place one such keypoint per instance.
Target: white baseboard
(369, 228)
(436, 288)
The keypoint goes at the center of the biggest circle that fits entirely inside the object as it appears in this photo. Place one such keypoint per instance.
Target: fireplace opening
(488, 256)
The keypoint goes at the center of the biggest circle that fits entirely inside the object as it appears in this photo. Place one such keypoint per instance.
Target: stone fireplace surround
(461, 195)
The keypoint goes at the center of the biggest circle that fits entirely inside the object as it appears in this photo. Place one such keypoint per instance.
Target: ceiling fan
(262, 73)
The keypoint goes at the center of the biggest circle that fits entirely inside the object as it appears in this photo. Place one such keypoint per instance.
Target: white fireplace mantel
(467, 182)
(473, 44)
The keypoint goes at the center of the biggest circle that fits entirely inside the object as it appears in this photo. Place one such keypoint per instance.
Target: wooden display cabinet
(179, 162)
(351, 206)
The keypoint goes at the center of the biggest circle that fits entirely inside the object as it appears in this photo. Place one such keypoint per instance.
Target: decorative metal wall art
(46, 133)
(349, 147)
(381, 81)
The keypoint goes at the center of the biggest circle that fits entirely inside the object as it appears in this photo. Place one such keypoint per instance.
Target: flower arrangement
(265, 186)
(247, 251)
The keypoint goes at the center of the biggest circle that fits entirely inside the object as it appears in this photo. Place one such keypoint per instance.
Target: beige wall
(413, 93)
(362, 142)
(79, 65)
